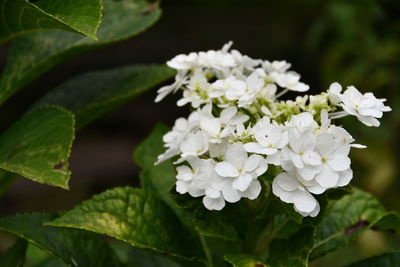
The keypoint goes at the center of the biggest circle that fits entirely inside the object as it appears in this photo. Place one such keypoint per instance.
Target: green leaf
(14, 256)
(293, 251)
(38, 146)
(390, 222)
(37, 257)
(212, 224)
(132, 256)
(134, 216)
(92, 94)
(33, 54)
(22, 16)
(6, 179)
(390, 259)
(349, 217)
(243, 260)
(74, 247)
(160, 178)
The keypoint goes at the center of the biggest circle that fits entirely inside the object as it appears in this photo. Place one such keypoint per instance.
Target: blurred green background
(353, 42)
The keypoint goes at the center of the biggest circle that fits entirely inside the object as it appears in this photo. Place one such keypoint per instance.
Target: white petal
(296, 159)
(259, 149)
(345, 177)
(327, 177)
(231, 195)
(184, 173)
(304, 201)
(308, 172)
(226, 169)
(252, 191)
(286, 182)
(262, 167)
(316, 189)
(369, 121)
(315, 211)
(282, 194)
(252, 163)
(339, 162)
(311, 157)
(236, 155)
(212, 193)
(211, 125)
(227, 114)
(182, 187)
(214, 203)
(242, 182)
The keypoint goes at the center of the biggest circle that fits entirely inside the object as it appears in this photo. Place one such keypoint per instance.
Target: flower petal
(339, 162)
(304, 201)
(226, 169)
(252, 191)
(327, 177)
(214, 203)
(311, 157)
(242, 182)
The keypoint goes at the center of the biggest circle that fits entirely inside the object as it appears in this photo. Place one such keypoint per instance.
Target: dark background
(353, 42)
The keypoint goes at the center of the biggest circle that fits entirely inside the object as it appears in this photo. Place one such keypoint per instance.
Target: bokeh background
(353, 42)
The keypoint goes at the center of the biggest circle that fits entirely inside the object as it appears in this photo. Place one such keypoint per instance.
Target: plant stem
(206, 251)
(266, 239)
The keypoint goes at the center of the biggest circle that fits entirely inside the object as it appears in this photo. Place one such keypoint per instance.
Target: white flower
(333, 163)
(197, 90)
(302, 145)
(180, 79)
(253, 86)
(276, 66)
(195, 144)
(303, 121)
(365, 107)
(270, 138)
(198, 179)
(334, 93)
(238, 126)
(216, 59)
(290, 190)
(184, 62)
(231, 87)
(219, 128)
(174, 138)
(290, 81)
(239, 166)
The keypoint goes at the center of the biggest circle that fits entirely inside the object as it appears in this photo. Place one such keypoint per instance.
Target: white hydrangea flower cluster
(239, 126)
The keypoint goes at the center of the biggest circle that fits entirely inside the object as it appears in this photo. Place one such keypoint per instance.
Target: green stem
(206, 251)
(265, 239)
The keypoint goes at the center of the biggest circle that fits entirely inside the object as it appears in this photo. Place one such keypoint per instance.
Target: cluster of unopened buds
(239, 126)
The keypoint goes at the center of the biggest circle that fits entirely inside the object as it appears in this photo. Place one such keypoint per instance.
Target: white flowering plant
(246, 153)
(249, 178)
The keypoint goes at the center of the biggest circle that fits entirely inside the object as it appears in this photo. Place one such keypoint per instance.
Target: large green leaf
(391, 259)
(92, 94)
(135, 257)
(348, 218)
(22, 16)
(6, 178)
(293, 251)
(134, 216)
(74, 247)
(33, 54)
(212, 224)
(14, 256)
(160, 178)
(243, 260)
(37, 257)
(38, 146)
